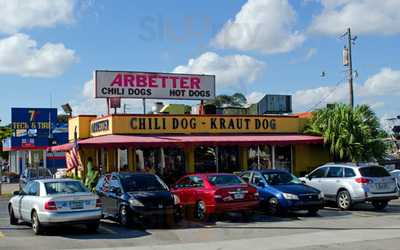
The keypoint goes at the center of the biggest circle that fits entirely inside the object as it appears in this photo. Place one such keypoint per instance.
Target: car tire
(200, 211)
(124, 216)
(36, 225)
(13, 219)
(92, 227)
(343, 200)
(313, 212)
(273, 206)
(379, 205)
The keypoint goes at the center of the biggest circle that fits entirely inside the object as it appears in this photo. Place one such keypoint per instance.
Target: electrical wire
(327, 96)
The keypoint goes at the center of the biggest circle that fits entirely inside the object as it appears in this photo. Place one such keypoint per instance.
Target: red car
(214, 194)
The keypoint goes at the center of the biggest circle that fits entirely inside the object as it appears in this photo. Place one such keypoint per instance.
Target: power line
(326, 96)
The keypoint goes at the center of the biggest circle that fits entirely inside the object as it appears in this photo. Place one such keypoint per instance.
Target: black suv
(137, 198)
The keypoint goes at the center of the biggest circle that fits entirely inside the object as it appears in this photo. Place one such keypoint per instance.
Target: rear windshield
(64, 187)
(224, 180)
(133, 183)
(40, 172)
(374, 172)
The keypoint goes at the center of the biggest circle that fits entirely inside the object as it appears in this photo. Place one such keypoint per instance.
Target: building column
(132, 159)
(110, 160)
(244, 157)
(162, 161)
(189, 159)
(273, 156)
(44, 159)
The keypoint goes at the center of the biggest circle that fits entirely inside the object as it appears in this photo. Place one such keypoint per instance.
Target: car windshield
(133, 183)
(224, 180)
(64, 187)
(39, 172)
(374, 172)
(281, 178)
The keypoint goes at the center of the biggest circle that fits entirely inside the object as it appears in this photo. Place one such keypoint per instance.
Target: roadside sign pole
(144, 106)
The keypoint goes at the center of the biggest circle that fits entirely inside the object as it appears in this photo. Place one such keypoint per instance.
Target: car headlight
(135, 203)
(321, 195)
(290, 196)
(176, 199)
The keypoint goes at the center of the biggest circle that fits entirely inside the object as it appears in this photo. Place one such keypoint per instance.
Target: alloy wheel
(123, 215)
(273, 205)
(201, 210)
(344, 200)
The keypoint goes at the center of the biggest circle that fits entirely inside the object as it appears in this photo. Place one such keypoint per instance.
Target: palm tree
(351, 134)
(235, 100)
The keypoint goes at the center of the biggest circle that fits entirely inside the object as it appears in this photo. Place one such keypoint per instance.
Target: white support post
(273, 157)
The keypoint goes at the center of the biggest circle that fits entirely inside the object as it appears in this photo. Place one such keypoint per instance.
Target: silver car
(396, 174)
(55, 201)
(347, 184)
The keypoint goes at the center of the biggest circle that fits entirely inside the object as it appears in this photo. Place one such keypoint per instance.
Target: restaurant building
(173, 145)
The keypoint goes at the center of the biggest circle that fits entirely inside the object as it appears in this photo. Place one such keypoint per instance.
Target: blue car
(281, 192)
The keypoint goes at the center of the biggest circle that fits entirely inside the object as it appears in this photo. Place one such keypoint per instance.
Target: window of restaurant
(228, 159)
(205, 159)
(122, 159)
(102, 159)
(260, 157)
(174, 164)
(283, 157)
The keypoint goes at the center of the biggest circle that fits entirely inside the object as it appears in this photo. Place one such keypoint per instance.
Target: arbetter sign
(153, 85)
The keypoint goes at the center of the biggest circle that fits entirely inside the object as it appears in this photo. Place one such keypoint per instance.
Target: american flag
(72, 157)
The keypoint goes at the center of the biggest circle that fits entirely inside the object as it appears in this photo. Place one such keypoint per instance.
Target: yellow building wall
(82, 123)
(309, 156)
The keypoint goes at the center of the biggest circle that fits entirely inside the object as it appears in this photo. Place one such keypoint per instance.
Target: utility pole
(348, 61)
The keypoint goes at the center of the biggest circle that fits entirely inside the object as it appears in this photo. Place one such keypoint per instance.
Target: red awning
(185, 140)
(61, 148)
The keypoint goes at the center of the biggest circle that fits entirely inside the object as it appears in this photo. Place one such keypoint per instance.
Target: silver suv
(347, 184)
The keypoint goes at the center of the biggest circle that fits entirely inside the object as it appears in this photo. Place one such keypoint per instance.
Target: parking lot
(331, 229)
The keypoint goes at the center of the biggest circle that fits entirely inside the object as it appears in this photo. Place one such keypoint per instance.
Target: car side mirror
(18, 193)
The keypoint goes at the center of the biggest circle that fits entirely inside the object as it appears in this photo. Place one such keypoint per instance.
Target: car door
(113, 196)
(103, 188)
(196, 191)
(332, 182)
(316, 178)
(18, 209)
(29, 199)
(182, 189)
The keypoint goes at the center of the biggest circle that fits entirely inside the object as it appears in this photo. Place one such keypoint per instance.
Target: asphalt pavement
(361, 228)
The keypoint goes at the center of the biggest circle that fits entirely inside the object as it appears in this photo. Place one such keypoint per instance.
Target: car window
(145, 182)
(246, 177)
(224, 180)
(348, 172)
(197, 181)
(257, 178)
(375, 171)
(35, 189)
(184, 183)
(27, 187)
(114, 182)
(319, 173)
(335, 172)
(64, 187)
(100, 184)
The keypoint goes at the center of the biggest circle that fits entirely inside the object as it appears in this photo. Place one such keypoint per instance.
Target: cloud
(20, 55)
(363, 16)
(20, 14)
(386, 82)
(383, 84)
(254, 97)
(311, 52)
(261, 25)
(229, 70)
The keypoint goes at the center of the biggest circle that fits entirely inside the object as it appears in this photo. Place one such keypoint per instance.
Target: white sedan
(49, 202)
(396, 173)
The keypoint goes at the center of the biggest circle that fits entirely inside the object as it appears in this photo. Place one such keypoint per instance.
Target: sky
(50, 48)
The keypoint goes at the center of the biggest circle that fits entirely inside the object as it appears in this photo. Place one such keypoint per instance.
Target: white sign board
(149, 85)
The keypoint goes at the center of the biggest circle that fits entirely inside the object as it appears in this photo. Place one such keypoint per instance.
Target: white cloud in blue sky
(261, 25)
(20, 14)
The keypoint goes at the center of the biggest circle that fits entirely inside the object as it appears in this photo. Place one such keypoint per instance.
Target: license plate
(381, 186)
(76, 204)
(238, 196)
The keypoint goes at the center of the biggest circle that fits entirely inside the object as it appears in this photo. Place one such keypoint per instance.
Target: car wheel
(379, 205)
(36, 226)
(13, 220)
(124, 216)
(201, 211)
(273, 206)
(313, 211)
(93, 226)
(343, 200)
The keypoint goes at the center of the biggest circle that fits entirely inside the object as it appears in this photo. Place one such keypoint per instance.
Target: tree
(235, 100)
(351, 134)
